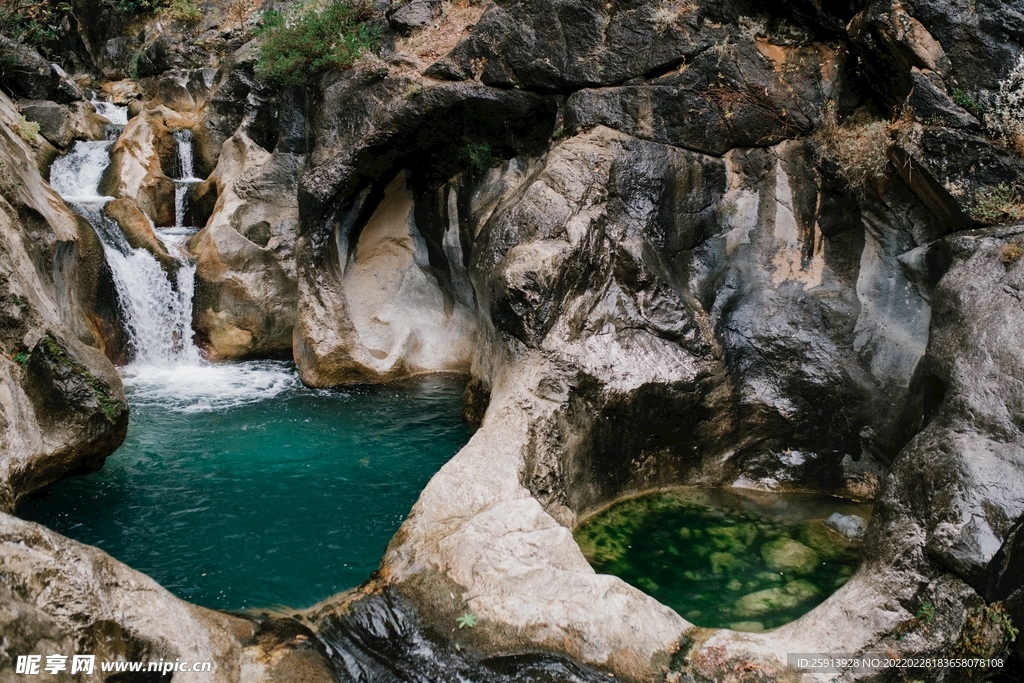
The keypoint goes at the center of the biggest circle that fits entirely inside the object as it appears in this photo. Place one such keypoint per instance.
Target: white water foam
(117, 115)
(76, 175)
(202, 387)
(167, 368)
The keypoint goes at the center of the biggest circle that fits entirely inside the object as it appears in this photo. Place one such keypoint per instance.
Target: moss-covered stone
(786, 555)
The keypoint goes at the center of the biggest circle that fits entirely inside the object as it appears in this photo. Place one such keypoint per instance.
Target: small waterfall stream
(166, 366)
(157, 313)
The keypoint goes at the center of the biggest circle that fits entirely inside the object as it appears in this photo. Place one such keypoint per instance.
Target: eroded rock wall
(62, 408)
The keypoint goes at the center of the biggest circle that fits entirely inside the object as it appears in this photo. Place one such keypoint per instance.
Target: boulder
(30, 76)
(407, 17)
(143, 161)
(63, 124)
(139, 232)
(786, 555)
(850, 526)
(246, 283)
(774, 599)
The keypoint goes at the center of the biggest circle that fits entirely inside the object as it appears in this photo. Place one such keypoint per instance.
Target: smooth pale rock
(139, 232)
(62, 407)
(143, 160)
(385, 310)
(245, 301)
(65, 597)
(774, 599)
(786, 555)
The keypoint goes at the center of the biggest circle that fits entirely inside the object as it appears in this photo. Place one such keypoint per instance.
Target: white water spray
(167, 367)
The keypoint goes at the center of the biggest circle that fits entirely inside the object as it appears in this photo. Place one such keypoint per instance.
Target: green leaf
(466, 620)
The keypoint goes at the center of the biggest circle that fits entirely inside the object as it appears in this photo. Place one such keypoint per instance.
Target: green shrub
(185, 11)
(999, 204)
(480, 155)
(31, 22)
(314, 38)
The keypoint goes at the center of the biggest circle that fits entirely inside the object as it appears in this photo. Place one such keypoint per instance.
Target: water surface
(238, 487)
(746, 561)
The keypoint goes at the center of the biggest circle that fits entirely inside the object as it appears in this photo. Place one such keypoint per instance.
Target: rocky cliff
(697, 243)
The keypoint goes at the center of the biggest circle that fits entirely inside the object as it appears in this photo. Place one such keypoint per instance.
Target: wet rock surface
(62, 408)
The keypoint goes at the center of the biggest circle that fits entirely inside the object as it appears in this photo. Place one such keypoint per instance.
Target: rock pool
(747, 561)
(238, 487)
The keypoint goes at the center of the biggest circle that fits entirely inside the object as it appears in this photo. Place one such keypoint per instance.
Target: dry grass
(999, 204)
(28, 130)
(1011, 253)
(435, 41)
(667, 14)
(859, 148)
(1004, 118)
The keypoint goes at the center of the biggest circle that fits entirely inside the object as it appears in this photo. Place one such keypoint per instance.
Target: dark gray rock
(723, 99)
(411, 16)
(954, 170)
(565, 45)
(30, 76)
(63, 124)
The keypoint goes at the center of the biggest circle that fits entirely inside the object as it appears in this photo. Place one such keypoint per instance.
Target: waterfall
(167, 368)
(157, 313)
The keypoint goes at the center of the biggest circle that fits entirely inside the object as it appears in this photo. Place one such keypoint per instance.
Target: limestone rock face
(143, 161)
(64, 597)
(135, 226)
(384, 290)
(246, 287)
(62, 408)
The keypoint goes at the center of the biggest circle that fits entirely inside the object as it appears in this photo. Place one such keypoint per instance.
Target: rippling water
(239, 487)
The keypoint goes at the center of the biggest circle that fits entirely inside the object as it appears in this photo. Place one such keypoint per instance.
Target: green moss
(110, 406)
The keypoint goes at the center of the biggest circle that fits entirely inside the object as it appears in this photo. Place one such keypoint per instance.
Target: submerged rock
(786, 555)
(775, 599)
(850, 526)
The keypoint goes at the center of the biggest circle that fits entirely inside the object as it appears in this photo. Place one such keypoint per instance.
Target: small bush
(999, 204)
(185, 11)
(31, 22)
(1011, 253)
(480, 155)
(861, 150)
(316, 37)
(1005, 117)
(28, 130)
(962, 99)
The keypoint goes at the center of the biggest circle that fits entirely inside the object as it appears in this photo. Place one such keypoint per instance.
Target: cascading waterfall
(166, 366)
(186, 179)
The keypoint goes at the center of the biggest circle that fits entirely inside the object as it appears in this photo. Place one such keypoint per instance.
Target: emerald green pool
(724, 560)
(238, 487)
